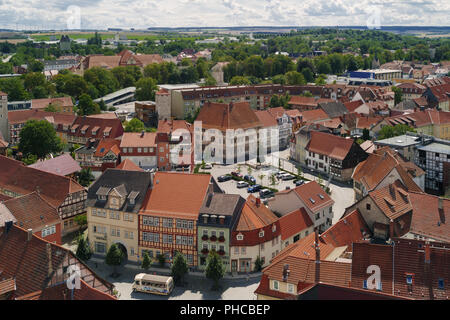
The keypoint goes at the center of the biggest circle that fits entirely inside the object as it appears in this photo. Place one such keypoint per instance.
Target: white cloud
(187, 13)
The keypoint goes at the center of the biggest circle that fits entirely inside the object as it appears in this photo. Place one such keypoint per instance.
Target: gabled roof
(22, 116)
(330, 145)
(294, 222)
(20, 179)
(353, 105)
(405, 257)
(190, 191)
(428, 219)
(62, 165)
(379, 164)
(393, 200)
(27, 261)
(254, 216)
(138, 140)
(346, 231)
(266, 118)
(129, 165)
(313, 191)
(333, 109)
(314, 115)
(43, 103)
(107, 145)
(102, 125)
(124, 182)
(32, 211)
(224, 116)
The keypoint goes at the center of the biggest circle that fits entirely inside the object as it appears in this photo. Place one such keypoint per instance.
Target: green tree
(14, 88)
(179, 267)
(39, 138)
(258, 264)
(50, 108)
(397, 95)
(85, 177)
(261, 177)
(81, 220)
(145, 89)
(239, 80)
(114, 258)
(29, 159)
(397, 130)
(86, 106)
(146, 262)
(84, 252)
(366, 134)
(134, 125)
(161, 259)
(103, 80)
(295, 78)
(35, 66)
(215, 269)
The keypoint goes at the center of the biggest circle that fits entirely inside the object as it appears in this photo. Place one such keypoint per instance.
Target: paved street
(197, 288)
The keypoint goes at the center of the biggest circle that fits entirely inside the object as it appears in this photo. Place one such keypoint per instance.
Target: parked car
(287, 176)
(242, 184)
(207, 166)
(236, 174)
(254, 188)
(249, 178)
(278, 174)
(299, 182)
(265, 193)
(223, 178)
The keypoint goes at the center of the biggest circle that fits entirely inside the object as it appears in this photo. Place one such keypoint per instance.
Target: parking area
(262, 176)
(343, 195)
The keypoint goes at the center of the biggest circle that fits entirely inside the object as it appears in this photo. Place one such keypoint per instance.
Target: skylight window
(312, 200)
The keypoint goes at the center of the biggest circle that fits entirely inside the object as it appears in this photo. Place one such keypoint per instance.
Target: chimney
(29, 234)
(8, 226)
(49, 259)
(258, 202)
(391, 229)
(142, 133)
(317, 248)
(427, 270)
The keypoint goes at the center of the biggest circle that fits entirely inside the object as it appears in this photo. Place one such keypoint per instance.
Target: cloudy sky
(101, 14)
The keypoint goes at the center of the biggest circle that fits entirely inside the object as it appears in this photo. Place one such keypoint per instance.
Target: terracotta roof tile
(129, 165)
(28, 262)
(330, 145)
(107, 145)
(20, 179)
(189, 189)
(32, 211)
(294, 222)
(138, 140)
(266, 118)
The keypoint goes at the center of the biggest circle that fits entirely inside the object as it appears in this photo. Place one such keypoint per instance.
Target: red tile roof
(113, 126)
(224, 116)
(138, 140)
(22, 116)
(107, 145)
(266, 118)
(346, 231)
(393, 200)
(428, 219)
(294, 222)
(404, 257)
(353, 105)
(61, 292)
(314, 115)
(190, 191)
(379, 164)
(254, 216)
(62, 165)
(43, 103)
(20, 179)
(32, 211)
(27, 261)
(7, 286)
(329, 145)
(129, 165)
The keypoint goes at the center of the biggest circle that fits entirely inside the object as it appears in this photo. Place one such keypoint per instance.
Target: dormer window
(132, 197)
(274, 228)
(239, 237)
(102, 193)
(261, 233)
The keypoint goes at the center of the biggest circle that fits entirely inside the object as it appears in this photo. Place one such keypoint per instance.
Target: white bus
(150, 283)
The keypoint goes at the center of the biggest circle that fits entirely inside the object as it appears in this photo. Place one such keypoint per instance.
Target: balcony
(213, 238)
(205, 238)
(221, 239)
